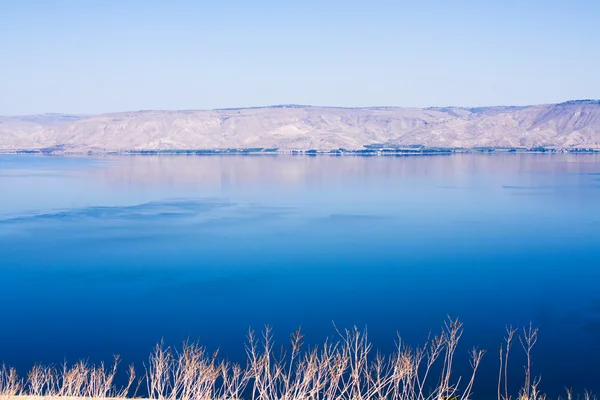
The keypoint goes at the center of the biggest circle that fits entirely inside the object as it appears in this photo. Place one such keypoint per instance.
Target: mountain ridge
(573, 124)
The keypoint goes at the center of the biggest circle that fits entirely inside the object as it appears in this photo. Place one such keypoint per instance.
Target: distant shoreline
(572, 126)
(369, 151)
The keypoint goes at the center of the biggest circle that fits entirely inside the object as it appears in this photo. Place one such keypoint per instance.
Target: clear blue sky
(100, 56)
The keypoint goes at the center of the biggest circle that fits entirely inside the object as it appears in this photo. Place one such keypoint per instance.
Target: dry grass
(344, 369)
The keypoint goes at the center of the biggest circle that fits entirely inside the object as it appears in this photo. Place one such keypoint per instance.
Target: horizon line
(293, 105)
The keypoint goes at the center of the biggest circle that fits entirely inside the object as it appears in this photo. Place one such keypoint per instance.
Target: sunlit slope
(574, 124)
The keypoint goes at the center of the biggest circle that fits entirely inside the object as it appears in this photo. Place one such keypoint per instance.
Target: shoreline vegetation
(347, 368)
(369, 150)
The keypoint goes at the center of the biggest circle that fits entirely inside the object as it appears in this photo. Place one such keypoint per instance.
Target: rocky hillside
(573, 124)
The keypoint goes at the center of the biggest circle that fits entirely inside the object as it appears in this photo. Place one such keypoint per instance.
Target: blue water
(109, 255)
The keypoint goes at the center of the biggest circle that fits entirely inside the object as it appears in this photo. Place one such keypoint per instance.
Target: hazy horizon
(292, 105)
(64, 56)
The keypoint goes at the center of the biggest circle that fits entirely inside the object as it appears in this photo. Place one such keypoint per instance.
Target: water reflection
(104, 255)
(242, 170)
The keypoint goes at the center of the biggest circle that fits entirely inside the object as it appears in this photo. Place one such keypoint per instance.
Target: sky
(89, 57)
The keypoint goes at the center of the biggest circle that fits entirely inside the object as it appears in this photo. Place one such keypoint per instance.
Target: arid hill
(573, 124)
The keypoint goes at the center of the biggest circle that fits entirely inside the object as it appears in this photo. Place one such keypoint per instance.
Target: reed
(346, 368)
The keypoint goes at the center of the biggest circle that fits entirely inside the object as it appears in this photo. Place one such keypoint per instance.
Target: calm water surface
(109, 255)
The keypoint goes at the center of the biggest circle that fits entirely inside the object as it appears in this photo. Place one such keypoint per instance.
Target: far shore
(368, 151)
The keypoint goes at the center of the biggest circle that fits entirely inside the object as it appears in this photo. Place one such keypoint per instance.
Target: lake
(104, 255)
